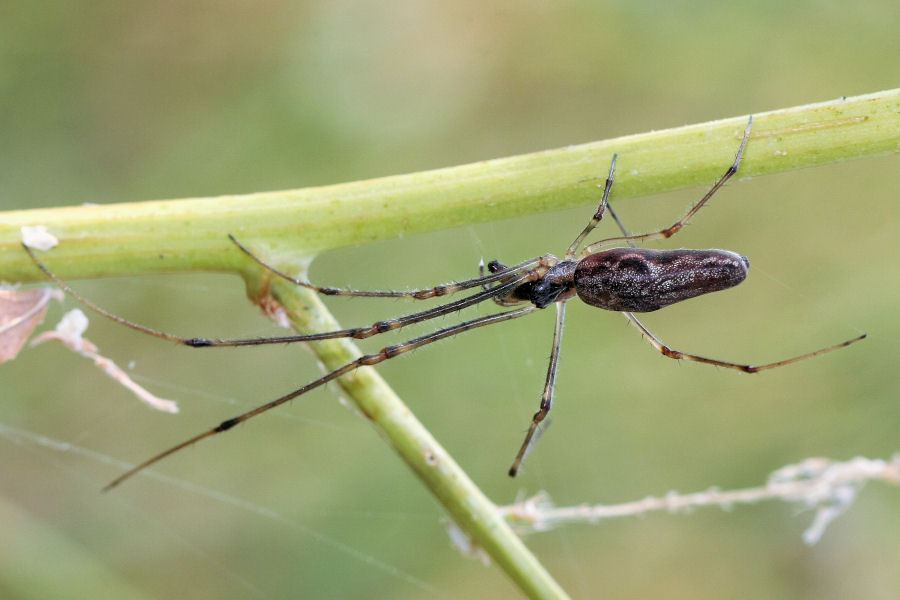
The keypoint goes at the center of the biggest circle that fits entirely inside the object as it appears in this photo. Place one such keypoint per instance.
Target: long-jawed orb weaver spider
(623, 279)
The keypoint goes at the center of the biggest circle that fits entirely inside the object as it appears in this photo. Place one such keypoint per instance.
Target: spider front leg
(547, 396)
(598, 215)
(679, 355)
(679, 225)
(445, 289)
(367, 360)
(511, 278)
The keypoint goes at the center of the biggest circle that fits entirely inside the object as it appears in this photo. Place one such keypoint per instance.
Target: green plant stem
(189, 235)
(289, 227)
(467, 505)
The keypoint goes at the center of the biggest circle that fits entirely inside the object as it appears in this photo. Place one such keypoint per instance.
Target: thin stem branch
(466, 504)
(826, 486)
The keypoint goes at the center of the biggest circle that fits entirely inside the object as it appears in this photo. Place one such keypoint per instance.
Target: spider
(624, 279)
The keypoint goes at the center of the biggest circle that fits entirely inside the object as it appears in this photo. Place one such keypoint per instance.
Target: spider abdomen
(642, 280)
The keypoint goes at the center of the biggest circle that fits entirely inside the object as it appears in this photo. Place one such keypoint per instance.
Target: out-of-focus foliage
(106, 101)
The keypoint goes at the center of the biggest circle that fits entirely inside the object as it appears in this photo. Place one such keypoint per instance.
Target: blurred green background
(107, 102)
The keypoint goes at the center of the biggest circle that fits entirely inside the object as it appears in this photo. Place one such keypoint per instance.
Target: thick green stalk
(289, 227)
(189, 235)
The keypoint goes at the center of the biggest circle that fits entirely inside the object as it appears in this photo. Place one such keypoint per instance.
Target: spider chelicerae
(624, 279)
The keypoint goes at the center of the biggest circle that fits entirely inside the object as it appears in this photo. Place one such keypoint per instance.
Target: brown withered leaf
(21, 311)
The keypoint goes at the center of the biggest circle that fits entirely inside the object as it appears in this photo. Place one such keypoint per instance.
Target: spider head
(557, 284)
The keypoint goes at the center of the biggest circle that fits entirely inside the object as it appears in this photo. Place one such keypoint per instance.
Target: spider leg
(678, 355)
(420, 294)
(547, 396)
(620, 224)
(678, 225)
(360, 333)
(598, 215)
(386, 353)
(355, 333)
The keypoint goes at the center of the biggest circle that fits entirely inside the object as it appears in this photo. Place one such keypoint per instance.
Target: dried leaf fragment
(70, 332)
(21, 311)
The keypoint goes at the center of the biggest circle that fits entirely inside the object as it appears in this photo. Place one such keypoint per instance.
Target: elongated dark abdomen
(641, 280)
